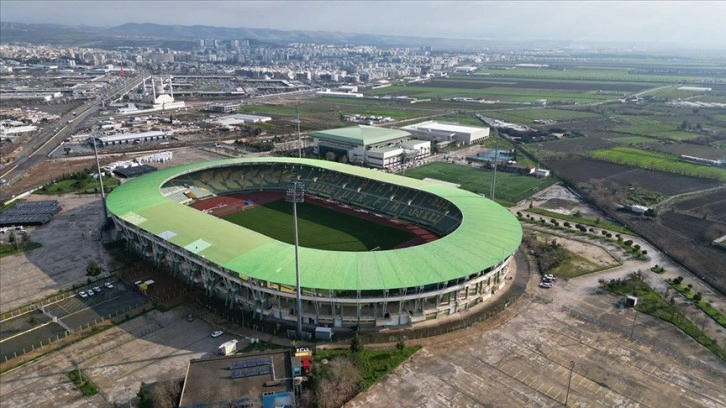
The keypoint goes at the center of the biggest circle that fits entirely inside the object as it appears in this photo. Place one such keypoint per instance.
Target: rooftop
(211, 382)
(444, 127)
(361, 135)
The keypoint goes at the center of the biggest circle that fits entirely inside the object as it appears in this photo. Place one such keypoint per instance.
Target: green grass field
(587, 74)
(661, 128)
(511, 188)
(319, 227)
(658, 161)
(528, 115)
(495, 93)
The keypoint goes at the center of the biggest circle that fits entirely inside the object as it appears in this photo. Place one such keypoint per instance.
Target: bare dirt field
(561, 199)
(711, 205)
(526, 361)
(584, 170)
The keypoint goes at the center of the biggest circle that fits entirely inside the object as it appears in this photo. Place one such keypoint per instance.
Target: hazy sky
(699, 23)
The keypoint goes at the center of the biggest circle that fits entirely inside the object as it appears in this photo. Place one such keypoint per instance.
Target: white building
(447, 132)
(371, 146)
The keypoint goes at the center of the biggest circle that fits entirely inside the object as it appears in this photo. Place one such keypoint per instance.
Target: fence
(117, 317)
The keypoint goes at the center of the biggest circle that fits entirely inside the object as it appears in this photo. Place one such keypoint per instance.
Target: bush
(697, 297)
(678, 280)
(355, 344)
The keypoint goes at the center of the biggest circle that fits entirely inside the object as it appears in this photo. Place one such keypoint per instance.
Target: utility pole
(632, 329)
(295, 194)
(493, 188)
(569, 382)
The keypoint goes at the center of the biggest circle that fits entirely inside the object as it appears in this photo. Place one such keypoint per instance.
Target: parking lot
(526, 361)
(31, 330)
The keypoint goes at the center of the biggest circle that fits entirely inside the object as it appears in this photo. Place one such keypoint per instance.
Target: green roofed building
(369, 145)
(463, 253)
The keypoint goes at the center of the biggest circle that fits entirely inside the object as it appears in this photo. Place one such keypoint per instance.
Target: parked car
(90, 292)
(97, 289)
(545, 285)
(137, 283)
(108, 285)
(190, 318)
(217, 333)
(82, 294)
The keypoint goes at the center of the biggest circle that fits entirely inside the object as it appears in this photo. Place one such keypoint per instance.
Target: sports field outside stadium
(318, 227)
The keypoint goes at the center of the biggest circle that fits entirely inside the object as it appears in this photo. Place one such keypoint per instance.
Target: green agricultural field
(493, 93)
(650, 126)
(615, 74)
(510, 189)
(528, 115)
(319, 227)
(633, 140)
(658, 161)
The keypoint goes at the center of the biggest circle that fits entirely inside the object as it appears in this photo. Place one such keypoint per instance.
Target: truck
(228, 347)
(323, 334)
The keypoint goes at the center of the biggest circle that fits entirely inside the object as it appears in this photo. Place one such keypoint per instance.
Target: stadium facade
(462, 268)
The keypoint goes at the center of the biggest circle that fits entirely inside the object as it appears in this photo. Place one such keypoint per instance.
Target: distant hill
(147, 34)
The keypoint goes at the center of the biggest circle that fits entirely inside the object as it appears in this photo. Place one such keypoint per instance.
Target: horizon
(637, 23)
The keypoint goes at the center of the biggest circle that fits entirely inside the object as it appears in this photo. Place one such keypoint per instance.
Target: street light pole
(295, 194)
(632, 329)
(100, 180)
(569, 382)
(299, 144)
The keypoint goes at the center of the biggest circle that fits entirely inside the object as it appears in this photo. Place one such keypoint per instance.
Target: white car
(108, 285)
(545, 285)
(90, 292)
(82, 294)
(97, 289)
(217, 333)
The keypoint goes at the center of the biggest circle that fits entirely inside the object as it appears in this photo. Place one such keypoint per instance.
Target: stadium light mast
(295, 194)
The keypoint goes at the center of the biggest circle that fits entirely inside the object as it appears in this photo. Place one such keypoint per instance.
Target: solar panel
(250, 371)
(249, 363)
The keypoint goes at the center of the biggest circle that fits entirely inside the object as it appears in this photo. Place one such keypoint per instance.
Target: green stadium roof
(488, 234)
(361, 135)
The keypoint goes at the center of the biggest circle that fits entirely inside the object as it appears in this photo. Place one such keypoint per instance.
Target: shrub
(697, 297)
(628, 242)
(678, 280)
(644, 252)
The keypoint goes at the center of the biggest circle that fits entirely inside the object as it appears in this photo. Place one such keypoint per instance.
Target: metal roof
(131, 136)
(361, 135)
(488, 234)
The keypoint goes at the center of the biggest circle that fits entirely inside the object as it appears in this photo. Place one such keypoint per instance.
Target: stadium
(376, 249)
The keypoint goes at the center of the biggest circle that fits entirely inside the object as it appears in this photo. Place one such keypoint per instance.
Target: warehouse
(447, 132)
(369, 145)
(128, 138)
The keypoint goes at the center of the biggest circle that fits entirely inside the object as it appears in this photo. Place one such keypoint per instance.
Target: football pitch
(319, 227)
(511, 188)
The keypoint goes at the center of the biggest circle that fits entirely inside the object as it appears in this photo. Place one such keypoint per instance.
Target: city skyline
(642, 22)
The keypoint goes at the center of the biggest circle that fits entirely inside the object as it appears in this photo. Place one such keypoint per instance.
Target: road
(37, 149)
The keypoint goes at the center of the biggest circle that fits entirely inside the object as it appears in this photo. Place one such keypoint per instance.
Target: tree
(356, 346)
(93, 268)
(145, 400)
(697, 297)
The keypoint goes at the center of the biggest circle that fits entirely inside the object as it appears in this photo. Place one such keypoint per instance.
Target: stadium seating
(394, 201)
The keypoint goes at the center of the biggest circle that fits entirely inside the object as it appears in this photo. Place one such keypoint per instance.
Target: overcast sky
(698, 23)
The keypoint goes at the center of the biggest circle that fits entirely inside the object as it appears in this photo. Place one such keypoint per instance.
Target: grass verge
(10, 249)
(373, 364)
(651, 303)
(604, 224)
(83, 383)
(711, 311)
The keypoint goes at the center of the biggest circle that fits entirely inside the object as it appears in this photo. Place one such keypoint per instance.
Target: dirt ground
(596, 255)
(560, 199)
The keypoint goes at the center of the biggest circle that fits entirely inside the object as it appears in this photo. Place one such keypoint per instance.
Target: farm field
(658, 161)
(648, 126)
(587, 74)
(511, 188)
(481, 82)
(712, 205)
(526, 115)
(707, 152)
(585, 170)
(494, 93)
(318, 227)
(580, 145)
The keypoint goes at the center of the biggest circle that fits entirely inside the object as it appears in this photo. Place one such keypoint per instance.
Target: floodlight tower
(295, 194)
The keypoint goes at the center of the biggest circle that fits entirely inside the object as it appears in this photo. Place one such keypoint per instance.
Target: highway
(38, 149)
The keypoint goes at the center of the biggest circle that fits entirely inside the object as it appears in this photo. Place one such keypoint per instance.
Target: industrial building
(371, 146)
(241, 119)
(447, 132)
(130, 138)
